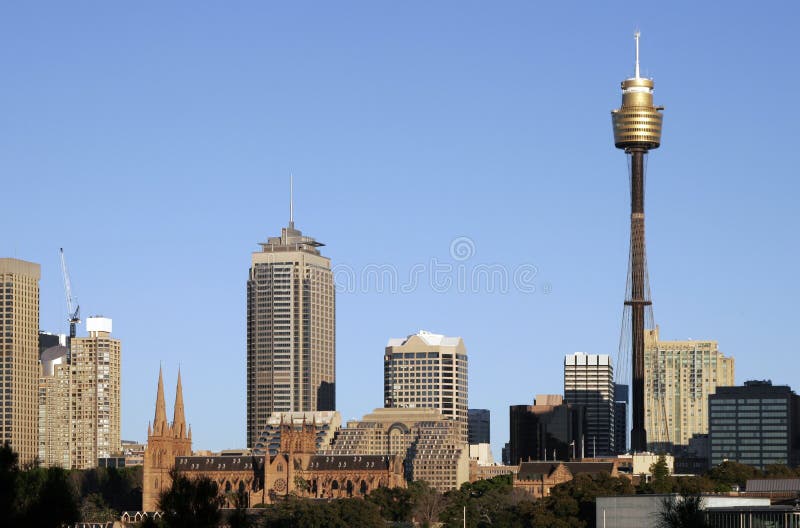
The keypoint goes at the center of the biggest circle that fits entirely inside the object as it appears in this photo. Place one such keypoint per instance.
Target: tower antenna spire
(291, 200)
(637, 130)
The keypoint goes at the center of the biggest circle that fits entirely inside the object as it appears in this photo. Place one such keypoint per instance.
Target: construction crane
(73, 309)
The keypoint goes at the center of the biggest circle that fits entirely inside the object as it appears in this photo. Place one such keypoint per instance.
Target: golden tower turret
(637, 123)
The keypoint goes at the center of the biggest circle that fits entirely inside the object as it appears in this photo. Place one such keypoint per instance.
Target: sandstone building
(165, 442)
(538, 478)
(296, 469)
(428, 370)
(431, 445)
(19, 357)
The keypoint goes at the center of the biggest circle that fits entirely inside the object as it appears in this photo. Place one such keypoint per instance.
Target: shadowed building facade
(757, 424)
(55, 424)
(479, 426)
(548, 429)
(621, 418)
(589, 382)
(291, 337)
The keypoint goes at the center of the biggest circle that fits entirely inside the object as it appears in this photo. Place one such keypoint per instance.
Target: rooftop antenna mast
(291, 200)
(73, 308)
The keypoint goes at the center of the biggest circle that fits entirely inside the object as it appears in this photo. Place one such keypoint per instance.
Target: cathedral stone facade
(296, 470)
(165, 442)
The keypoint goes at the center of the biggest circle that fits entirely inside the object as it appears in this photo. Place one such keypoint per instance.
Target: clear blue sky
(154, 143)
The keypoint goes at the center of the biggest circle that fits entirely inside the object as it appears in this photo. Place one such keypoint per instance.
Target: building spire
(291, 200)
(636, 36)
(178, 418)
(160, 420)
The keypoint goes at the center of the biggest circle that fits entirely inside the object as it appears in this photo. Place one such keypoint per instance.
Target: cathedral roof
(331, 462)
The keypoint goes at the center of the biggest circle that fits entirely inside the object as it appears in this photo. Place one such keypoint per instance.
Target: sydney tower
(637, 129)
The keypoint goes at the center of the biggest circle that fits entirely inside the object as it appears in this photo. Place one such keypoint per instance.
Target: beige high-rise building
(95, 394)
(431, 444)
(55, 425)
(291, 330)
(79, 402)
(19, 356)
(428, 370)
(678, 378)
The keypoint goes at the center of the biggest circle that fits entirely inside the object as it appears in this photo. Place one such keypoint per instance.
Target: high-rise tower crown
(637, 123)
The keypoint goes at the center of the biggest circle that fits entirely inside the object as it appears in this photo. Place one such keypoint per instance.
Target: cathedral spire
(160, 420)
(178, 419)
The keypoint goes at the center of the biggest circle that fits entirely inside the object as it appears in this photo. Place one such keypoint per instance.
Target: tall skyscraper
(757, 424)
(19, 357)
(679, 377)
(95, 394)
(291, 330)
(637, 130)
(479, 426)
(589, 381)
(428, 370)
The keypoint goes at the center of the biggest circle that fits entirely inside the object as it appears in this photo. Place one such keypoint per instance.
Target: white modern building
(428, 370)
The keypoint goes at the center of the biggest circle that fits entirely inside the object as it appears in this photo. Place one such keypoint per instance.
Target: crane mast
(73, 308)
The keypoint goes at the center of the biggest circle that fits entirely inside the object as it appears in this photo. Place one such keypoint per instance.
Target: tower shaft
(637, 298)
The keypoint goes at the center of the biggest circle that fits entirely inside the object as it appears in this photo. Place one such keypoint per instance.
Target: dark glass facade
(621, 418)
(479, 429)
(543, 432)
(756, 424)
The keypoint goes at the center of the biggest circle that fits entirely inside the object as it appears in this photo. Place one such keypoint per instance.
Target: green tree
(120, 488)
(50, 499)
(731, 473)
(237, 517)
(294, 512)
(661, 481)
(9, 483)
(94, 509)
(779, 471)
(684, 511)
(584, 490)
(559, 511)
(354, 512)
(190, 502)
(395, 504)
(428, 503)
(490, 502)
(694, 485)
